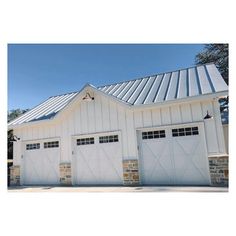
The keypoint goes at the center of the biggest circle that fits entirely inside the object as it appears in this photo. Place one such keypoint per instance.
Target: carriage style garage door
(174, 155)
(97, 160)
(41, 162)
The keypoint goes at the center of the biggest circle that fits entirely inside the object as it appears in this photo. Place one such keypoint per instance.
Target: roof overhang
(89, 88)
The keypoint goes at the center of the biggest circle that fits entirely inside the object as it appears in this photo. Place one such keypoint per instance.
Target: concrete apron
(117, 189)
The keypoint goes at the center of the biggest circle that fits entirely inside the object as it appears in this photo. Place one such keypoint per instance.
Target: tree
(13, 114)
(219, 55)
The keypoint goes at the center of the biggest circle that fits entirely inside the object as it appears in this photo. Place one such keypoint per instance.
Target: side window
(109, 139)
(154, 134)
(32, 146)
(53, 144)
(85, 141)
(185, 131)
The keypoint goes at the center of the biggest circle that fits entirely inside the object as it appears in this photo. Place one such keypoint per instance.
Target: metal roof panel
(146, 89)
(173, 86)
(204, 82)
(179, 84)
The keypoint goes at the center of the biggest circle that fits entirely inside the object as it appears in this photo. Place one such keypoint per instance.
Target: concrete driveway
(117, 189)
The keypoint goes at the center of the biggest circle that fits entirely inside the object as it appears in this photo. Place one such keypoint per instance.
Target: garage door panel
(180, 158)
(100, 162)
(191, 176)
(157, 165)
(41, 166)
(50, 167)
(33, 168)
(162, 176)
(192, 160)
(110, 167)
(88, 165)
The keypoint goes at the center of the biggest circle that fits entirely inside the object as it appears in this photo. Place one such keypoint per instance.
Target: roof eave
(30, 123)
(182, 100)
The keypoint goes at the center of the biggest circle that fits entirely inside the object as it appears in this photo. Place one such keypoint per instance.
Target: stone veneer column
(65, 174)
(219, 170)
(15, 175)
(130, 172)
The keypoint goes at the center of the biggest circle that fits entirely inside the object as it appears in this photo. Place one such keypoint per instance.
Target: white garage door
(174, 156)
(98, 160)
(41, 163)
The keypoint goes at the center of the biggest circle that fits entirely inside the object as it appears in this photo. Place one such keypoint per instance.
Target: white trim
(42, 139)
(95, 134)
(30, 123)
(199, 98)
(219, 155)
(167, 126)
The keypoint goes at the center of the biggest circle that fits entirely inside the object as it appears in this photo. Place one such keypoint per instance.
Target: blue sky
(38, 71)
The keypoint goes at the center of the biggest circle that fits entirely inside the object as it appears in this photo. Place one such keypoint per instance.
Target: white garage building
(148, 131)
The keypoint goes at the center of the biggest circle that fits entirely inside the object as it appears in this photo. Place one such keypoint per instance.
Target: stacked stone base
(65, 174)
(14, 175)
(131, 172)
(218, 165)
(219, 170)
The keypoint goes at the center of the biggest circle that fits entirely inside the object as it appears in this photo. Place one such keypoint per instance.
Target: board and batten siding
(105, 115)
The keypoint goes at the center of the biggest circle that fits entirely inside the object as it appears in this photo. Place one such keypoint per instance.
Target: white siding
(98, 112)
(84, 118)
(219, 127)
(77, 120)
(186, 113)
(196, 111)
(156, 117)
(131, 133)
(91, 120)
(210, 129)
(103, 115)
(165, 116)
(122, 126)
(175, 114)
(113, 116)
(138, 119)
(65, 156)
(17, 148)
(147, 118)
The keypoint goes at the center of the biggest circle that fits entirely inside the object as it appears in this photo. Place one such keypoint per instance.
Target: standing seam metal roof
(194, 81)
(184, 83)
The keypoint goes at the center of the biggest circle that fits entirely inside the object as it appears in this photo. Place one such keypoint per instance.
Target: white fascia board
(183, 100)
(30, 123)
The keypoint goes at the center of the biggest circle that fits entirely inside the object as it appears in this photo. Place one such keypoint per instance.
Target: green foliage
(13, 114)
(219, 55)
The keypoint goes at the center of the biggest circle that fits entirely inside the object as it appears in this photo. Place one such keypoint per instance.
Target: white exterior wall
(105, 115)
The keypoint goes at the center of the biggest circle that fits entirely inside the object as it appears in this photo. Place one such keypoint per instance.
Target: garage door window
(53, 144)
(185, 131)
(85, 141)
(109, 139)
(154, 134)
(32, 146)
